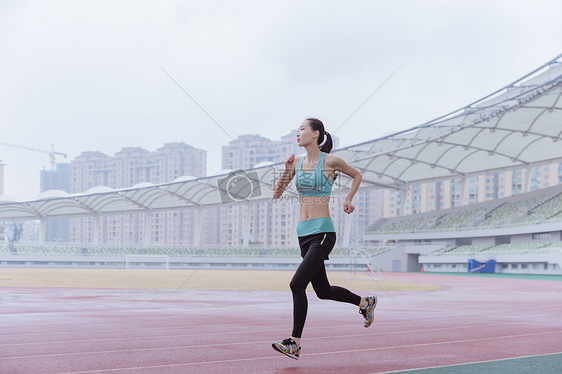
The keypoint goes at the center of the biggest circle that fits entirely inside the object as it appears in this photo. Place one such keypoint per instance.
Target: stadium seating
(529, 209)
(501, 249)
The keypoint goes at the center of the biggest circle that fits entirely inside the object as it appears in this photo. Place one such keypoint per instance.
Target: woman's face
(305, 134)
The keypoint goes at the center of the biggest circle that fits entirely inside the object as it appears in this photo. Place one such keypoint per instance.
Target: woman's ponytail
(327, 143)
(325, 139)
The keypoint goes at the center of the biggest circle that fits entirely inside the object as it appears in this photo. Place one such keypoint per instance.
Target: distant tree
(13, 232)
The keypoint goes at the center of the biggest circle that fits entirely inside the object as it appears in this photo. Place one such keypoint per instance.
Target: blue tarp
(481, 267)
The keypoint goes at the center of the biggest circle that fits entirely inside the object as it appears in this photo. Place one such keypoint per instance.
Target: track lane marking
(309, 354)
(266, 342)
(246, 332)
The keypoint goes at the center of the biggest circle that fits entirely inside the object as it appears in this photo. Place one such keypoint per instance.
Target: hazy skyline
(85, 75)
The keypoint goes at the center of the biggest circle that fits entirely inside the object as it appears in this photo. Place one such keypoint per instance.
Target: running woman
(314, 176)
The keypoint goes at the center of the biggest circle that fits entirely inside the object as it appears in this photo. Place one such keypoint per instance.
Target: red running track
(472, 319)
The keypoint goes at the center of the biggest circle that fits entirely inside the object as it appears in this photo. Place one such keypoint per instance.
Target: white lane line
(152, 337)
(400, 320)
(310, 354)
(268, 341)
(238, 332)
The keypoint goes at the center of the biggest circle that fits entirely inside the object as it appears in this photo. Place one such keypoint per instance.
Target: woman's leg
(321, 284)
(313, 259)
(325, 291)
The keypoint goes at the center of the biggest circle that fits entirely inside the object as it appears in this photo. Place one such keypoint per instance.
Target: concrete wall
(538, 263)
(486, 240)
(393, 260)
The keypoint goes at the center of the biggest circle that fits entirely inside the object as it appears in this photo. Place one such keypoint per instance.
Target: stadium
(96, 307)
(515, 128)
(151, 222)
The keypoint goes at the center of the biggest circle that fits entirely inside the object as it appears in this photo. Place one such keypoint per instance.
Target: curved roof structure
(517, 126)
(185, 192)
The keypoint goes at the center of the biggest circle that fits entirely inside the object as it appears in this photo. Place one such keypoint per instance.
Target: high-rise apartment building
(133, 165)
(447, 194)
(248, 151)
(129, 167)
(270, 223)
(56, 230)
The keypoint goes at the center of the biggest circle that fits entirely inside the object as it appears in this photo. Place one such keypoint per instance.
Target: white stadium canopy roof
(516, 127)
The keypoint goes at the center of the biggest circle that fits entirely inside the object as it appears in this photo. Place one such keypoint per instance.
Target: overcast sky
(84, 75)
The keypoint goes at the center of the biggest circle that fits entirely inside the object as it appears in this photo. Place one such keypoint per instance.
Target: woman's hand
(289, 162)
(348, 207)
(285, 177)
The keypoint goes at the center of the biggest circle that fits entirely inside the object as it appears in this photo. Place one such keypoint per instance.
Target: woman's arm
(285, 177)
(340, 165)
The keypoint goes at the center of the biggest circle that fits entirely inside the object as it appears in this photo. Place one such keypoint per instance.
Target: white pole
(42, 231)
(96, 238)
(198, 227)
(147, 229)
(464, 190)
(246, 239)
(347, 230)
(527, 186)
(294, 219)
(405, 195)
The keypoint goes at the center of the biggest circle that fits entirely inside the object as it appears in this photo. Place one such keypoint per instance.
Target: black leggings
(314, 250)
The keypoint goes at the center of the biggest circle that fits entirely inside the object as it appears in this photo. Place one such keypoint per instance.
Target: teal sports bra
(315, 182)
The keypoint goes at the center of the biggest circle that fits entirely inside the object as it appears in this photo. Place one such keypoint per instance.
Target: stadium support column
(1, 178)
(198, 226)
(42, 230)
(464, 188)
(405, 194)
(528, 177)
(147, 229)
(96, 234)
(347, 230)
(295, 217)
(246, 239)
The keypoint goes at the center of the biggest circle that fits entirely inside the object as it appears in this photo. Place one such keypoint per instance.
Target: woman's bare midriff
(314, 207)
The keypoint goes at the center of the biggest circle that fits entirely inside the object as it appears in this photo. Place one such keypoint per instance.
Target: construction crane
(51, 153)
